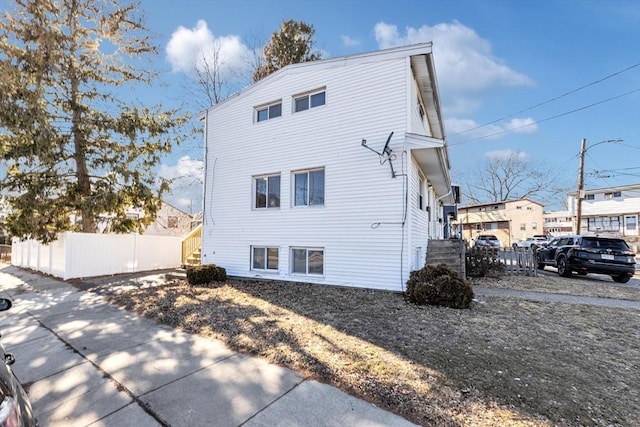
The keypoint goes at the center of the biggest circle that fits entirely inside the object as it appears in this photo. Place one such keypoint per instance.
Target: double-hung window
(267, 191)
(264, 258)
(308, 100)
(307, 261)
(308, 187)
(270, 111)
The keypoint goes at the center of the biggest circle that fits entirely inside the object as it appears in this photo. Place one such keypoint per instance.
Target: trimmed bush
(483, 263)
(439, 286)
(198, 275)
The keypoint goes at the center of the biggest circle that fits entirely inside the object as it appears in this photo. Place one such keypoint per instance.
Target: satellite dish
(386, 150)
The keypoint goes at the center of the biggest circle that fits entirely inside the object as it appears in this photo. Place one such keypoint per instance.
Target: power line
(547, 101)
(546, 119)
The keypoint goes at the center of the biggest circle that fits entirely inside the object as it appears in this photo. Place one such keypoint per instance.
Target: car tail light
(9, 416)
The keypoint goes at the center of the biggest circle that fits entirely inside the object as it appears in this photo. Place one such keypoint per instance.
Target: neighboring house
(510, 221)
(300, 185)
(170, 221)
(557, 223)
(611, 211)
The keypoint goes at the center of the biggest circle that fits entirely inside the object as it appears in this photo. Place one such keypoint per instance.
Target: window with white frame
(308, 261)
(308, 187)
(266, 191)
(420, 193)
(308, 100)
(523, 226)
(269, 111)
(264, 258)
(604, 223)
(590, 197)
(612, 195)
(534, 225)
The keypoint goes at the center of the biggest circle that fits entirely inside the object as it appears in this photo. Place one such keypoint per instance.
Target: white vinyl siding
(359, 225)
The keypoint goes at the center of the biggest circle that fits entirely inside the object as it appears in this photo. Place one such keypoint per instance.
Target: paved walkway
(85, 362)
(569, 299)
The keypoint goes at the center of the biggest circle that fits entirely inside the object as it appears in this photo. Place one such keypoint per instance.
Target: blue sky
(494, 60)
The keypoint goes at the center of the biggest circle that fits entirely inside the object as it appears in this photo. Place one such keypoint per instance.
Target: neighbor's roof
(479, 205)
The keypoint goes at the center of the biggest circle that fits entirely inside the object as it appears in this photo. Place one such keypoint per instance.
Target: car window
(555, 242)
(617, 245)
(569, 241)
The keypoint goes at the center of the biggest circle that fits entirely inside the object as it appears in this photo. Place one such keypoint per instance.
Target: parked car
(486, 241)
(533, 243)
(15, 408)
(589, 254)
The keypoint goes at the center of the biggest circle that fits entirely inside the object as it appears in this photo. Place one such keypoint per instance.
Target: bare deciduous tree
(510, 176)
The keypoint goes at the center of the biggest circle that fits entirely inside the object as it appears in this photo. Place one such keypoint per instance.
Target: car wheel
(623, 278)
(563, 269)
(540, 263)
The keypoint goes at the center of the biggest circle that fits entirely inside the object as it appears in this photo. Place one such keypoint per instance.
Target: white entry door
(631, 225)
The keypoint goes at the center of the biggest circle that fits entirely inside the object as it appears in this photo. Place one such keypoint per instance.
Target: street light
(583, 150)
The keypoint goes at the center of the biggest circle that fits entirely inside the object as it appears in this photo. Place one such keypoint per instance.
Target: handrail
(191, 243)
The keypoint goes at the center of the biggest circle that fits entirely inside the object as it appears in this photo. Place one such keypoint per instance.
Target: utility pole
(583, 149)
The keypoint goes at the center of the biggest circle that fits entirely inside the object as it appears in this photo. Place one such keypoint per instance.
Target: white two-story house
(333, 172)
(611, 211)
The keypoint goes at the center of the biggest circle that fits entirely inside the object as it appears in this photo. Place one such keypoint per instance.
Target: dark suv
(589, 254)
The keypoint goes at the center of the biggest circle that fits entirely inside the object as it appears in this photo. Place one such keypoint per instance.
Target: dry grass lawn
(504, 362)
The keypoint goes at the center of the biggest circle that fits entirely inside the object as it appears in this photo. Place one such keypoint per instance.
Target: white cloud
(473, 130)
(526, 125)
(467, 71)
(506, 154)
(348, 41)
(185, 167)
(464, 61)
(188, 46)
(186, 177)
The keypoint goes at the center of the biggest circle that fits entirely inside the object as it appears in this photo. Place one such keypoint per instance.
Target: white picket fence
(76, 255)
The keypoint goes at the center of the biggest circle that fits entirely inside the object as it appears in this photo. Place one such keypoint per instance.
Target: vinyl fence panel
(76, 255)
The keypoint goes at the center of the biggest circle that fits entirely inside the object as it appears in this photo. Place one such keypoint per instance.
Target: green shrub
(205, 274)
(439, 285)
(483, 263)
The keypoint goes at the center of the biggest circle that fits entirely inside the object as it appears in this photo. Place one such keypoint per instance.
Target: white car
(531, 243)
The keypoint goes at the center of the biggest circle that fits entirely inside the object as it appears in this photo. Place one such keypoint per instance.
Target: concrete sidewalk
(85, 362)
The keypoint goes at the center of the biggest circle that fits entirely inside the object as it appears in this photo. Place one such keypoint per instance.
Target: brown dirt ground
(503, 362)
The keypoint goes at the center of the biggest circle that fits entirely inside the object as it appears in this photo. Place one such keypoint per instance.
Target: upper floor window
(308, 187)
(612, 195)
(308, 100)
(172, 221)
(267, 112)
(267, 191)
(589, 196)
